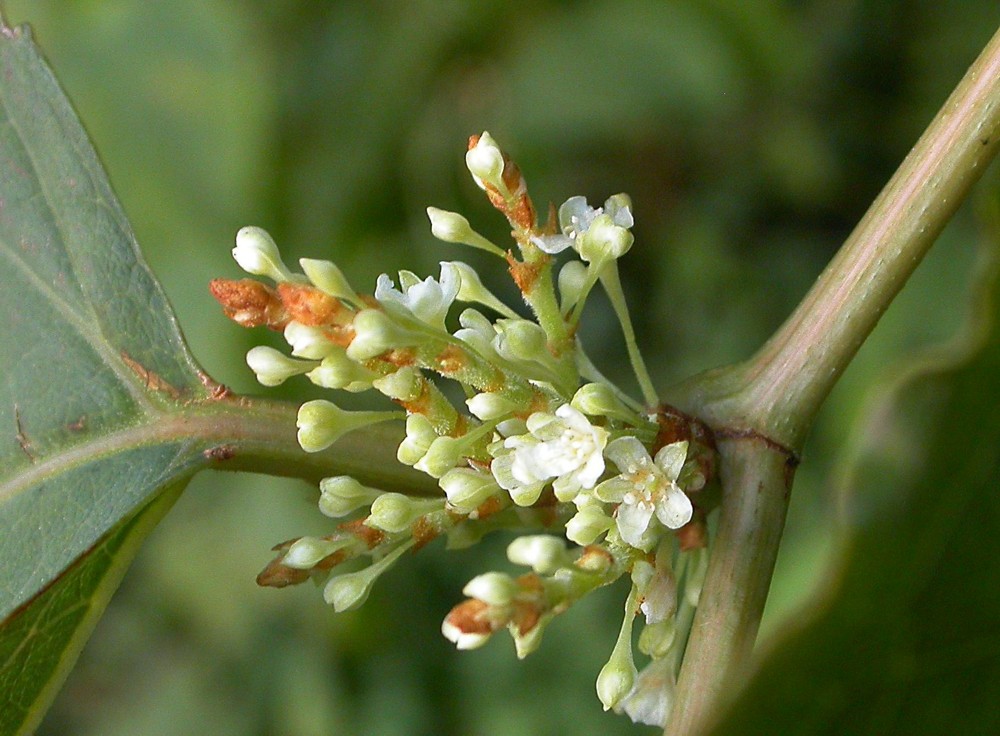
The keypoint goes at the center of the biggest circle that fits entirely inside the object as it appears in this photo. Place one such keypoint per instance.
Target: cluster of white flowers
(541, 433)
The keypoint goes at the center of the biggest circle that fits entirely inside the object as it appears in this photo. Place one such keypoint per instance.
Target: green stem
(613, 286)
(761, 410)
(779, 391)
(259, 436)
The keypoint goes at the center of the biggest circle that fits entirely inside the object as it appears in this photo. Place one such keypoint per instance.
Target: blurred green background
(751, 137)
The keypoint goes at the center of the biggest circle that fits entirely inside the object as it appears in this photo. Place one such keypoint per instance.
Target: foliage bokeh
(751, 138)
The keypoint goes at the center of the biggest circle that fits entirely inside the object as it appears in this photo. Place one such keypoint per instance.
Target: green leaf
(39, 647)
(95, 378)
(906, 640)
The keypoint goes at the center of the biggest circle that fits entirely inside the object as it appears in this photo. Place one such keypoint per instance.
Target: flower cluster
(542, 440)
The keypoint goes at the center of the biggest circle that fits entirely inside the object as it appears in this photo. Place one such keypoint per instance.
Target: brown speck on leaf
(220, 453)
(152, 380)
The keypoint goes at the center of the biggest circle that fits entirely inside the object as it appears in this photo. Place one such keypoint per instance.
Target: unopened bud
(321, 423)
(589, 523)
(308, 342)
(572, 280)
(274, 367)
(468, 489)
(406, 384)
(376, 333)
(489, 406)
(329, 279)
(543, 553)
(485, 162)
(451, 227)
(257, 254)
(340, 372)
(471, 288)
(599, 400)
(394, 512)
(492, 588)
(307, 552)
(342, 494)
(419, 436)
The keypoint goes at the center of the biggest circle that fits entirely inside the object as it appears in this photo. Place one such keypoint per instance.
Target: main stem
(761, 410)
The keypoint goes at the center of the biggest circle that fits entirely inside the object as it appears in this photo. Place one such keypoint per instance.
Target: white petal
(627, 452)
(526, 495)
(633, 519)
(675, 508)
(671, 458)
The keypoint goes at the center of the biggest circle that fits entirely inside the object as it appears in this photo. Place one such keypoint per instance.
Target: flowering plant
(543, 441)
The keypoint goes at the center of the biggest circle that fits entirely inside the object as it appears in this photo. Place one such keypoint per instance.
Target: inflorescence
(544, 442)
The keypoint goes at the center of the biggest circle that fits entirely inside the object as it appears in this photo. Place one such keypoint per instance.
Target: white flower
(645, 487)
(564, 446)
(427, 300)
(576, 217)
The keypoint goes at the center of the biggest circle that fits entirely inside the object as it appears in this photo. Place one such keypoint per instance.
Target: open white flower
(645, 487)
(576, 217)
(427, 300)
(564, 446)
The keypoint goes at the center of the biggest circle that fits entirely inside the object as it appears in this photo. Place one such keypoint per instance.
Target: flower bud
(572, 280)
(657, 639)
(522, 341)
(589, 523)
(543, 553)
(256, 253)
(342, 494)
(492, 588)
(394, 512)
(419, 436)
(274, 367)
(489, 406)
(471, 288)
(308, 342)
(329, 279)
(443, 454)
(468, 489)
(477, 332)
(451, 227)
(339, 371)
(599, 400)
(305, 553)
(406, 384)
(485, 162)
(376, 333)
(350, 590)
(321, 423)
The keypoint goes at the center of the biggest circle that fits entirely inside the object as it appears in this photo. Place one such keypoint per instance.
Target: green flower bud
(419, 436)
(471, 288)
(339, 371)
(329, 279)
(376, 332)
(451, 227)
(543, 553)
(589, 523)
(599, 400)
(350, 590)
(617, 677)
(394, 512)
(342, 494)
(273, 367)
(308, 342)
(492, 588)
(321, 423)
(443, 454)
(657, 639)
(490, 406)
(468, 489)
(572, 280)
(307, 552)
(402, 385)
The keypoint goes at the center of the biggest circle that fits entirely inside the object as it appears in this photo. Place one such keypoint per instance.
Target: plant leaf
(94, 374)
(38, 648)
(907, 638)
